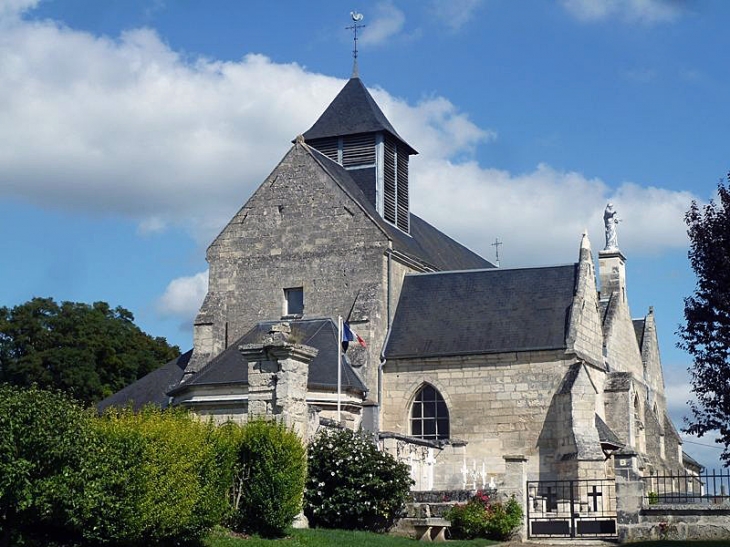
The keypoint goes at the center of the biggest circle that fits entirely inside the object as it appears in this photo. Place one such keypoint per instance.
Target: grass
(319, 537)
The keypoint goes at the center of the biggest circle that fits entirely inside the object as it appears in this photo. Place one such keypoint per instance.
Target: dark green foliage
(44, 451)
(482, 517)
(87, 351)
(272, 470)
(706, 332)
(72, 477)
(352, 484)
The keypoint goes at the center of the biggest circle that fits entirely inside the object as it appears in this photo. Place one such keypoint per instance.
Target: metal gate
(573, 509)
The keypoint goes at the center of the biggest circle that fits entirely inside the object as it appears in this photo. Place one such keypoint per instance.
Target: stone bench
(431, 529)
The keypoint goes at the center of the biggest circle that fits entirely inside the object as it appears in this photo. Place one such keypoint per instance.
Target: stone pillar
(515, 483)
(629, 494)
(612, 271)
(278, 371)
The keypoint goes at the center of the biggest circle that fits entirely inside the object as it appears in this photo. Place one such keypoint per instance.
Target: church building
(462, 365)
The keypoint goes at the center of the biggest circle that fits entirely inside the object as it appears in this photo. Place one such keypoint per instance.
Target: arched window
(429, 415)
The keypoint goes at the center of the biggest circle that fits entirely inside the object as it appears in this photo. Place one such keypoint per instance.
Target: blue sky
(132, 130)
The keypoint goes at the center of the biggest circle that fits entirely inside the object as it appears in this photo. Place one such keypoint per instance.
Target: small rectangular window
(294, 301)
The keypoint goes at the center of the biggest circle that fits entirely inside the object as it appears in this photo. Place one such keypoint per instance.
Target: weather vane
(356, 18)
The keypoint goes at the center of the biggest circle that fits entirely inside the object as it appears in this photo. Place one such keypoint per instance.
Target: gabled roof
(150, 389)
(482, 311)
(229, 367)
(353, 111)
(425, 244)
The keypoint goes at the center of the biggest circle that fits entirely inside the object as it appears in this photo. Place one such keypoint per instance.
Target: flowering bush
(482, 517)
(352, 484)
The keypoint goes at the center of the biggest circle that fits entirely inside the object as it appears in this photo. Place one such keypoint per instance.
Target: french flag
(349, 335)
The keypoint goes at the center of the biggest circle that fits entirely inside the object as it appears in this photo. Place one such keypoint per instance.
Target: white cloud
(129, 127)
(633, 11)
(183, 296)
(455, 13)
(387, 23)
(540, 215)
(10, 9)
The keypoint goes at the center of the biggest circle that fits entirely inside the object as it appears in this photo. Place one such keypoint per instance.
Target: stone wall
(640, 521)
(498, 404)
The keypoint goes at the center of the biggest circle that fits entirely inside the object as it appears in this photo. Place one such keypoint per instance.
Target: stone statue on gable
(611, 220)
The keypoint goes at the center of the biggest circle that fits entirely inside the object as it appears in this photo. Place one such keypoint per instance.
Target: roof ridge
(495, 269)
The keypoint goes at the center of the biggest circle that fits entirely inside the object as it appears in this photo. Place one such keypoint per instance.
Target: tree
(706, 331)
(88, 351)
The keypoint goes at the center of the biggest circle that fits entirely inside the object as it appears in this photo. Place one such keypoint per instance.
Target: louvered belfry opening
(355, 133)
(395, 184)
(360, 152)
(330, 147)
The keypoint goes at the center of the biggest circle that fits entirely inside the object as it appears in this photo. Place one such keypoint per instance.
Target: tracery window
(429, 415)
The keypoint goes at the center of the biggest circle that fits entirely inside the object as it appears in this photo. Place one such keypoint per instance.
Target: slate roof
(617, 381)
(482, 311)
(605, 435)
(688, 460)
(639, 331)
(351, 112)
(425, 244)
(229, 367)
(150, 389)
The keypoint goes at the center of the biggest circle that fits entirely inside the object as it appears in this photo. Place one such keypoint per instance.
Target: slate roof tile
(229, 367)
(482, 311)
(606, 435)
(425, 244)
(150, 389)
(351, 112)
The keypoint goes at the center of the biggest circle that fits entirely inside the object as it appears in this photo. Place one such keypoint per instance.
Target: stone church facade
(466, 366)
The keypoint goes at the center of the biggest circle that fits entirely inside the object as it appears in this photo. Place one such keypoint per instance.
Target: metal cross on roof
(497, 243)
(356, 18)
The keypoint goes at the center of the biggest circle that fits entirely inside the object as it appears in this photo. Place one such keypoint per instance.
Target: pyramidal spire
(585, 254)
(585, 243)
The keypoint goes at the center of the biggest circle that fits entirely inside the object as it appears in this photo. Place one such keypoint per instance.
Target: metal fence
(702, 488)
(577, 508)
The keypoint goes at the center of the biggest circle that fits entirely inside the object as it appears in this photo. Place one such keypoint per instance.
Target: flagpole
(339, 368)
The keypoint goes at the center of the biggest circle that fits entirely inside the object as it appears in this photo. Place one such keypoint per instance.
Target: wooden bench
(431, 529)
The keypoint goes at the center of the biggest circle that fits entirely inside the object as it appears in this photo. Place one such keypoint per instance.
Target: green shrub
(352, 484)
(272, 466)
(68, 476)
(482, 517)
(45, 440)
(160, 478)
(503, 519)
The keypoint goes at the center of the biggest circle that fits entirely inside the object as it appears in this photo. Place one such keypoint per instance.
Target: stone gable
(299, 229)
